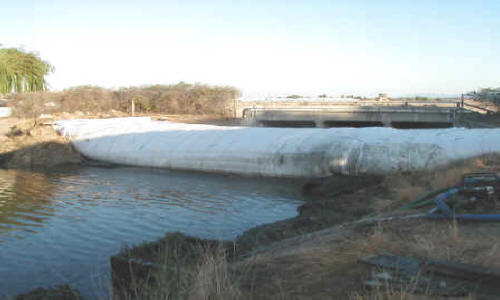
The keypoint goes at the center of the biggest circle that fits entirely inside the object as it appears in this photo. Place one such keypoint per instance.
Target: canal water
(62, 226)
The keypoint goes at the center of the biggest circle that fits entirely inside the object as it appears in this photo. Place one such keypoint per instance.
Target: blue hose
(443, 211)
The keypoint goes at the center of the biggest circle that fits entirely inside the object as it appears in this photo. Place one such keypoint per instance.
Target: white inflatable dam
(282, 152)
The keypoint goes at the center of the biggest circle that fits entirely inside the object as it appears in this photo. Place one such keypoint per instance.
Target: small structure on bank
(382, 97)
(486, 95)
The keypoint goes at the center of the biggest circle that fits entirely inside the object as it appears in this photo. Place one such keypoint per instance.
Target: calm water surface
(62, 226)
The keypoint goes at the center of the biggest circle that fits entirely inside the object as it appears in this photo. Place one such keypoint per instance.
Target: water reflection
(62, 226)
(24, 200)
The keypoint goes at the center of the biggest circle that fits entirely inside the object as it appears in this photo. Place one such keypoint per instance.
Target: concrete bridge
(398, 114)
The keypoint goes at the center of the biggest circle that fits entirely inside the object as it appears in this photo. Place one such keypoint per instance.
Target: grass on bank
(325, 271)
(405, 188)
(324, 264)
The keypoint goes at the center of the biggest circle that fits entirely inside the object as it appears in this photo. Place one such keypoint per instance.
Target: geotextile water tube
(279, 152)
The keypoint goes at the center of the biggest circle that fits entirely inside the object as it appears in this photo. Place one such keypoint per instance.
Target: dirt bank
(31, 144)
(315, 255)
(477, 120)
(201, 119)
(323, 264)
(342, 199)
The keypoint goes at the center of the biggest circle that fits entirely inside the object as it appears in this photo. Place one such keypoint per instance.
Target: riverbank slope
(316, 254)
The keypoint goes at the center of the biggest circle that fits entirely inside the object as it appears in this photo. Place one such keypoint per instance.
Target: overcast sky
(264, 47)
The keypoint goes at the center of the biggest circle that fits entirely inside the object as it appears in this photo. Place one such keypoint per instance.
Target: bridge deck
(355, 114)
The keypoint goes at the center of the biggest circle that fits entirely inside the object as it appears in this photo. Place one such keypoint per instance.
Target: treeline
(22, 71)
(181, 98)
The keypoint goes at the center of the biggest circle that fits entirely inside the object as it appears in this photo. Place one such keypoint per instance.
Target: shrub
(418, 98)
(181, 98)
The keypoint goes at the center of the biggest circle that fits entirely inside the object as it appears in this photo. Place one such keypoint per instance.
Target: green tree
(22, 71)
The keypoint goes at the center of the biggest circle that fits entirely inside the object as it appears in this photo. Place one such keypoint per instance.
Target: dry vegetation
(322, 267)
(330, 270)
(324, 264)
(404, 188)
(181, 98)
